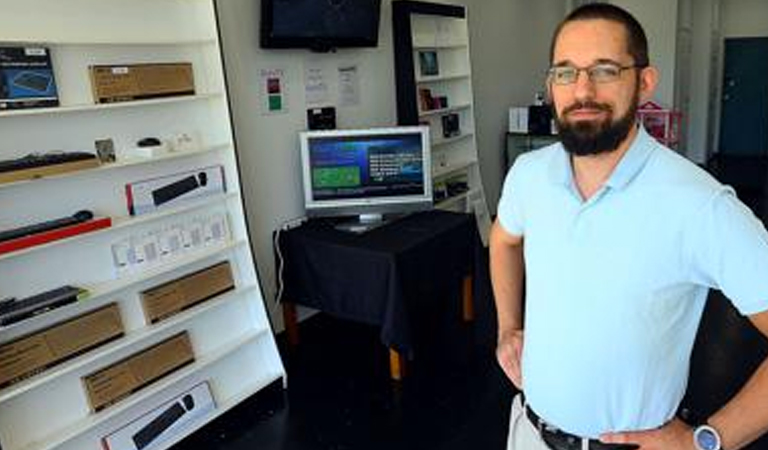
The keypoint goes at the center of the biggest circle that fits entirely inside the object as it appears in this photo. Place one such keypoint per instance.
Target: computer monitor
(366, 173)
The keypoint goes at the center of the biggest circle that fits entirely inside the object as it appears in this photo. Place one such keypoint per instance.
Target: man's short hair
(637, 43)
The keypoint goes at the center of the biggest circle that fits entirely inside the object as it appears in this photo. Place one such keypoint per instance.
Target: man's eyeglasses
(598, 73)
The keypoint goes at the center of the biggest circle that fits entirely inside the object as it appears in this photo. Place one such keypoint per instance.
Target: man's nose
(584, 87)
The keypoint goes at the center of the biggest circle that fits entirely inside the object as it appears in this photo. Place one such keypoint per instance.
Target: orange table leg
(290, 319)
(467, 301)
(396, 365)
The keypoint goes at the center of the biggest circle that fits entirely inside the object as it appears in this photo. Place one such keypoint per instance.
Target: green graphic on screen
(335, 177)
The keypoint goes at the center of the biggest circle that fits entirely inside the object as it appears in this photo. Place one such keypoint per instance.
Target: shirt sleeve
(510, 211)
(729, 251)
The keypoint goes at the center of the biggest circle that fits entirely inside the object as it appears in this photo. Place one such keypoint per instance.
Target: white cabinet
(434, 87)
(231, 336)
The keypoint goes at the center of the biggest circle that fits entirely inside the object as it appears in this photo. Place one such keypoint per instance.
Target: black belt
(560, 440)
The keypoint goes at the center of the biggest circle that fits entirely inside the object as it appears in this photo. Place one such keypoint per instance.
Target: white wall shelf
(125, 163)
(130, 342)
(439, 78)
(102, 294)
(432, 60)
(63, 436)
(232, 341)
(109, 42)
(438, 45)
(119, 223)
(446, 141)
(437, 112)
(96, 107)
(452, 168)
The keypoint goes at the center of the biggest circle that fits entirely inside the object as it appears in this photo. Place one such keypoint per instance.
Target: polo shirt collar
(561, 172)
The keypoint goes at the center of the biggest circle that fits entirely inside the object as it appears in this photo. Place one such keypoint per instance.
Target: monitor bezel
(269, 40)
(366, 205)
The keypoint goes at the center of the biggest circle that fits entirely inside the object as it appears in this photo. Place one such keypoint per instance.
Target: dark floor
(340, 396)
(454, 395)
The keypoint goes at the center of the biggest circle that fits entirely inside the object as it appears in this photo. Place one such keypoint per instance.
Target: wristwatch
(706, 438)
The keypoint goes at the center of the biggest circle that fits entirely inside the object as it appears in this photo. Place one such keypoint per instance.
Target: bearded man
(602, 255)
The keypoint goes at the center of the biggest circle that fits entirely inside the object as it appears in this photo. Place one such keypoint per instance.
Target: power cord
(285, 226)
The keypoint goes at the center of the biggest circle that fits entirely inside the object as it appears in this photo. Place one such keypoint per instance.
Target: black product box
(540, 119)
(26, 78)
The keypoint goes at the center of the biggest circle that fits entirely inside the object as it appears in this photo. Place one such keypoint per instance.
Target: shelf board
(437, 78)
(102, 293)
(452, 168)
(446, 141)
(133, 339)
(434, 112)
(119, 223)
(439, 46)
(42, 40)
(69, 433)
(127, 162)
(450, 201)
(107, 106)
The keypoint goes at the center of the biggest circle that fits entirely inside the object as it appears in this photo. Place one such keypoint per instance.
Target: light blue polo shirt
(616, 285)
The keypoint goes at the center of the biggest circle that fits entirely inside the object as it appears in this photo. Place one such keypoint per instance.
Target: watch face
(707, 438)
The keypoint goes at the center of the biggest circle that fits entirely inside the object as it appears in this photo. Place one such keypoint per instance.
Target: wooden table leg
(396, 365)
(467, 300)
(290, 320)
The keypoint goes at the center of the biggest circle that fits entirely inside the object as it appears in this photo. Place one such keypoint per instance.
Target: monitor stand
(362, 223)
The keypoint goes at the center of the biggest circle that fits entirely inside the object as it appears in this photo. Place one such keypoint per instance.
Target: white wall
(745, 18)
(701, 77)
(507, 65)
(510, 56)
(659, 19)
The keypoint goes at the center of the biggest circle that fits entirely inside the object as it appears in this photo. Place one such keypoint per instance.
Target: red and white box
(172, 418)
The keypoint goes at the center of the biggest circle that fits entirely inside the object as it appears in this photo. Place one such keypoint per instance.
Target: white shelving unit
(438, 33)
(231, 336)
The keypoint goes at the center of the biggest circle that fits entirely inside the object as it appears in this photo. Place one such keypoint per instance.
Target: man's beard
(584, 138)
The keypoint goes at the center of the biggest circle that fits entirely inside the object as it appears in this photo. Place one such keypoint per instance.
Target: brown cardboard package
(168, 299)
(31, 354)
(118, 83)
(113, 383)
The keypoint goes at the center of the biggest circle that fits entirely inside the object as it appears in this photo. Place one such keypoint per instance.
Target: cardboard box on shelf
(170, 298)
(111, 384)
(40, 350)
(126, 82)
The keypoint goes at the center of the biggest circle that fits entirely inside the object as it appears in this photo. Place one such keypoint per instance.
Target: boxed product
(125, 82)
(26, 78)
(168, 299)
(30, 355)
(149, 195)
(518, 119)
(113, 383)
(170, 419)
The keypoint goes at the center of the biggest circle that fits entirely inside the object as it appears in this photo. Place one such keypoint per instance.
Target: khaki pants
(522, 433)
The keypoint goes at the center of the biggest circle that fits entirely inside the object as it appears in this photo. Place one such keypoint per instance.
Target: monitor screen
(371, 171)
(320, 25)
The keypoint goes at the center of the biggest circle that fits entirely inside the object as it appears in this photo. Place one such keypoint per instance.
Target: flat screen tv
(366, 173)
(320, 25)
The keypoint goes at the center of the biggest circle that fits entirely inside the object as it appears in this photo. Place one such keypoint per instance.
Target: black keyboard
(48, 225)
(42, 160)
(12, 310)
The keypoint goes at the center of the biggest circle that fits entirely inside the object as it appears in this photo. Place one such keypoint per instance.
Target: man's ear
(649, 79)
(548, 92)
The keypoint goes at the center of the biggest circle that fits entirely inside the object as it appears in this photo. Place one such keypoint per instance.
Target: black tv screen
(320, 25)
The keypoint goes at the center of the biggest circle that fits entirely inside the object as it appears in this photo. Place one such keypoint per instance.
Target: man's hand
(509, 353)
(675, 435)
